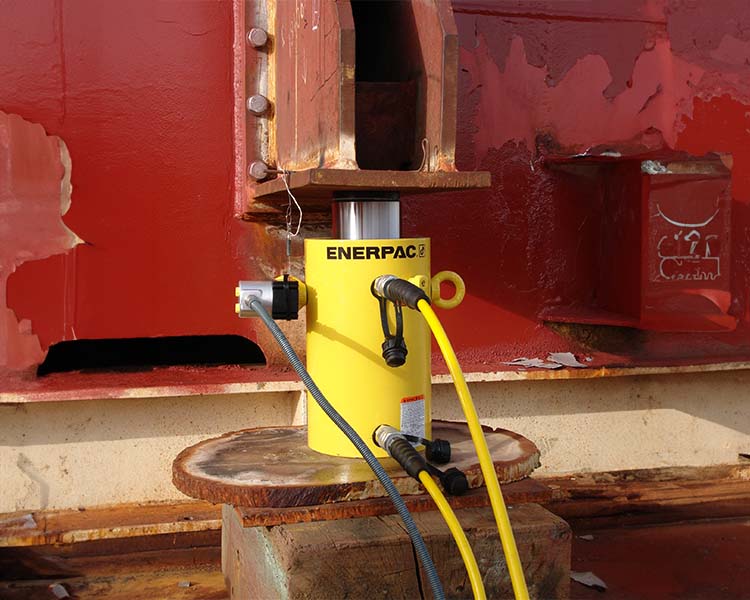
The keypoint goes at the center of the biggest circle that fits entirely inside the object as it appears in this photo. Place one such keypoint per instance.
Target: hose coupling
(398, 447)
(281, 298)
(399, 291)
(380, 284)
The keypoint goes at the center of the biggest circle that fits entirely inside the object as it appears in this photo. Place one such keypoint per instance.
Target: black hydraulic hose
(372, 461)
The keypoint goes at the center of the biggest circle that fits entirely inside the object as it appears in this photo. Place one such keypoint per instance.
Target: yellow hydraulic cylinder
(344, 338)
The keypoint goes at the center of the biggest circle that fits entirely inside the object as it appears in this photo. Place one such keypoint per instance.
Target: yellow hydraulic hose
(477, 586)
(485, 460)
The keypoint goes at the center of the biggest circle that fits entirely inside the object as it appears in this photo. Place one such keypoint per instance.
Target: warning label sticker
(412, 415)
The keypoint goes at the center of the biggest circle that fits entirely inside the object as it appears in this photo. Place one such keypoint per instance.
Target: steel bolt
(257, 37)
(258, 105)
(258, 170)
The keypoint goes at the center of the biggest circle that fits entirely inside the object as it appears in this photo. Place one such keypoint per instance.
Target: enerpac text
(373, 252)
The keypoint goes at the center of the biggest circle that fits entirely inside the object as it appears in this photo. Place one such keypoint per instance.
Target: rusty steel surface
(665, 242)
(150, 138)
(319, 184)
(570, 78)
(518, 492)
(313, 63)
(651, 496)
(388, 124)
(315, 80)
(46, 527)
(273, 467)
(169, 382)
(404, 101)
(438, 39)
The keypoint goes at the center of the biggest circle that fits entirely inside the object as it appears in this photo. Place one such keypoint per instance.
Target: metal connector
(247, 291)
(380, 284)
(385, 435)
(400, 449)
(399, 291)
(280, 298)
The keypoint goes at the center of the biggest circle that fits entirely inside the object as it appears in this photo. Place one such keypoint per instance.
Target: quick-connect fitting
(394, 443)
(437, 450)
(248, 291)
(398, 291)
(281, 298)
(379, 285)
(398, 446)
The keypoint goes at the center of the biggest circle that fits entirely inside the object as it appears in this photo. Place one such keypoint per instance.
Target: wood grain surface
(273, 467)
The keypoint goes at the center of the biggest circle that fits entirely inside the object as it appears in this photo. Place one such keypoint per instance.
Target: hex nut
(258, 105)
(257, 37)
(258, 170)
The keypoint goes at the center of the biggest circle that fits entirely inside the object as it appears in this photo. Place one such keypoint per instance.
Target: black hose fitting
(405, 454)
(398, 446)
(399, 291)
(394, 351)
(454, 482)
(285, 299)
(400, 449)
(437, 451)
(394, 346)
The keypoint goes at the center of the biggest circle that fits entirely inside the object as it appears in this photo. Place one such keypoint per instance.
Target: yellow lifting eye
(457, 282)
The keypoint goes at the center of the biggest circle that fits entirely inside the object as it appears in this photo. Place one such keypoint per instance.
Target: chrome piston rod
(366, 216)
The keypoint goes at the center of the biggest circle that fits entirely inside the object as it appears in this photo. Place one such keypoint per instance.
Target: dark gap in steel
(143, 354)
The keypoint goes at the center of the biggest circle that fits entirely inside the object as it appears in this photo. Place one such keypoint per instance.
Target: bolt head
(258, 170)
(258, 105)
(257, 37)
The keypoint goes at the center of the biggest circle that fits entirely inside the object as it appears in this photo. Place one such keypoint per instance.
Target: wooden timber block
(519, 492)
(372, 557)
(273, 467)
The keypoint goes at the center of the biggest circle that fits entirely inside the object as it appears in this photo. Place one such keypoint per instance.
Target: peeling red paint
(145, 96)
(34, 194)
(557, 43)
(713, 34)
(568, 78)
(142, 93)
(517, 103)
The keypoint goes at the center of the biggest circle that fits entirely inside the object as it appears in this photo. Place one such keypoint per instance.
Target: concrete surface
(88, 453)
(72, 454)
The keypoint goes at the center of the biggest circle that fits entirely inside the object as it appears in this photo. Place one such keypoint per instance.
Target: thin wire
(425, 156)
(285, 179)
(289, 234)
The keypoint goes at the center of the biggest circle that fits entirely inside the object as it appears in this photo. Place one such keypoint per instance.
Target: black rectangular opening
(390, 84)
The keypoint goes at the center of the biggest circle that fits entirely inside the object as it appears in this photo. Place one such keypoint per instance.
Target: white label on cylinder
(412, 416)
